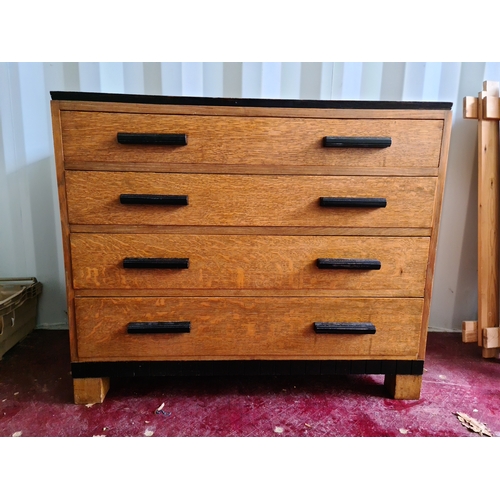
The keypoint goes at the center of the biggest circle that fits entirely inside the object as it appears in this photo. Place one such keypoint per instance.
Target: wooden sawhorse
(486, 109)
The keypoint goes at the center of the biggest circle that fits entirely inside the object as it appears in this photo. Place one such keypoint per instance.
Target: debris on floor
(148, 433)
(161, 411)
(17, 434)
(473, 424)
(278, 430)
(403, 431)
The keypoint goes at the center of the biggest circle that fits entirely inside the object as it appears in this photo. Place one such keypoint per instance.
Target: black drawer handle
(154, 139)
(340, 328)
(153, 199)
(160, 327)
(155, 263)
(356, 142)
(353, 202)
(348, 264)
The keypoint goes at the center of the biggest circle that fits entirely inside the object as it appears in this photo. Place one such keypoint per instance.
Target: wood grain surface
(249, 140)
(246, 328)
(217, 109)
(246, 200)
(251, 262)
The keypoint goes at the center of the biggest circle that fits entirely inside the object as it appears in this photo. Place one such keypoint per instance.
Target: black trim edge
(255, 367)
(225, 101)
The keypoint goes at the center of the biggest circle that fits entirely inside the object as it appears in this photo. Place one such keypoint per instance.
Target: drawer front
(222, 262)
(233, 140)
(246, 328)
(248, 200)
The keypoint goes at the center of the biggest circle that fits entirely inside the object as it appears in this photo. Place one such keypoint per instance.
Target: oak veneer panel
(198, 168)
(438, 202)
(91, 136)
(246, 230)
(65, 228)
(251, 262)
(246, 328)
(248, 200)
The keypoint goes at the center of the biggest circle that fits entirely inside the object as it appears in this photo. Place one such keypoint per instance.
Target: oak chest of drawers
(225, 236)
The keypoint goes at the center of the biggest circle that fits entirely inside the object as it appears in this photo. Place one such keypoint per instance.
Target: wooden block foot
(489, 353)
(469, 331)
(90, 390)
(403, 386)
(491, 338)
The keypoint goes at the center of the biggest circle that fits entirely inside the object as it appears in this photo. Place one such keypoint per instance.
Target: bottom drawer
(246, 328)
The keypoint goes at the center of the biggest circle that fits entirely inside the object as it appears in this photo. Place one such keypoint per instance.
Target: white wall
(30, 238)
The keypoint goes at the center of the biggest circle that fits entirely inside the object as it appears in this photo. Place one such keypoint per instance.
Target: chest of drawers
(239, 236)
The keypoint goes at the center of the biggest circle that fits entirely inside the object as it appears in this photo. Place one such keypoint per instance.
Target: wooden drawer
(248, 200)
(235, 140)
(224, 262)
(246, 328)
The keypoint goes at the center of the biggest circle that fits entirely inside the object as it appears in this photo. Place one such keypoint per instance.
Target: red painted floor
(36, 399)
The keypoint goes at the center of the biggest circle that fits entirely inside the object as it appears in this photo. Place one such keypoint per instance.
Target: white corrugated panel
(30, 243)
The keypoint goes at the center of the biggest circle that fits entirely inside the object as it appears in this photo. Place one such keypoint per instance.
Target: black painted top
(225, 101)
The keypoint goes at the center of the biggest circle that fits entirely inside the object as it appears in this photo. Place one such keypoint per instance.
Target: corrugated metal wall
(30, 242)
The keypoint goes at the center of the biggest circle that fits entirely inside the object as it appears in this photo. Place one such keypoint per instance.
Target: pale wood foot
(403, 386)
(469, 332)
(90, 390)
(490, 352)
(491, 342)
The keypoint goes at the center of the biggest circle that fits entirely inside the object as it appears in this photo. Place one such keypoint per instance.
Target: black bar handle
(154, 139)
(348, 264)
(325, 201)
(160, 327)
(153, 199)
(356, 142)
(155, 263)
(341, 328)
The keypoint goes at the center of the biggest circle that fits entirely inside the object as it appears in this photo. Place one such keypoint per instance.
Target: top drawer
(236, 140)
